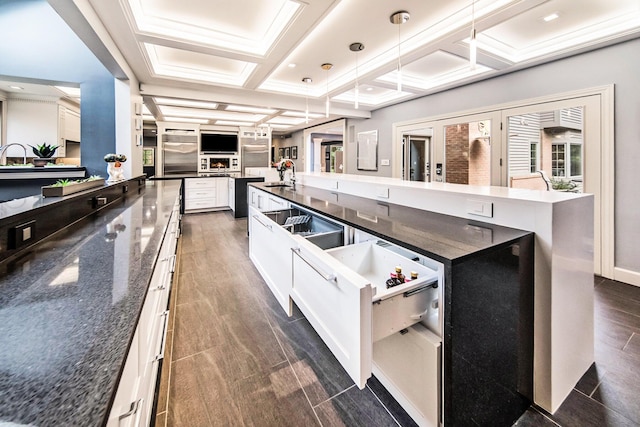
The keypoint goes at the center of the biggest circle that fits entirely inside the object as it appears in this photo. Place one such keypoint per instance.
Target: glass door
(560, 142)
(468, 150)
(417, 155)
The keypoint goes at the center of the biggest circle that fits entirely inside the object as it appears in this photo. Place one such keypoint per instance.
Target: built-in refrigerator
(254, 153)
(179, 153)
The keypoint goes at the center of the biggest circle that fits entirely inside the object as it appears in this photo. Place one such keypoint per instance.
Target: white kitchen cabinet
(202, 194)
(270, 250)
(258, 199)
(222, 192)
(343, 295)
(37, 121)
(232, 193)
(134, 398)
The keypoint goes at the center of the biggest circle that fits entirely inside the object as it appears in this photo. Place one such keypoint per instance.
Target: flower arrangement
(115, 158)
(282, 166)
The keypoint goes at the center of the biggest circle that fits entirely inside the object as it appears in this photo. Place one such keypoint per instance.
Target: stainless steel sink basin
(323, 233)
(277, 184)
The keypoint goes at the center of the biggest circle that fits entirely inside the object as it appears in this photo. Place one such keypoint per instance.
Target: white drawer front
(409, 366)
(199, 204)
(199, 183)
(270, 250)
(337, 303)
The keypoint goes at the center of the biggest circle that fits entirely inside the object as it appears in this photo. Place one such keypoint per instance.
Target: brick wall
(457, 153)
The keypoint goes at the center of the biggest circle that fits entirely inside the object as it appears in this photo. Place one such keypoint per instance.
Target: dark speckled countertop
(445, 238)
(69, 308)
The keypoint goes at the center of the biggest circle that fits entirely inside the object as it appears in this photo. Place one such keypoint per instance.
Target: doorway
(417, 155)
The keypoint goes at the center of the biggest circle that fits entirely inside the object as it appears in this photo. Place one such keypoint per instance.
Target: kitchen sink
(321, 232)
(277, 184)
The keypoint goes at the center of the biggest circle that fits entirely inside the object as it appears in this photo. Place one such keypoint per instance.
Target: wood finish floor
(235, 359)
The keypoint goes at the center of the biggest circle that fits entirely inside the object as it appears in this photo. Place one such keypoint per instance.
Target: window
(558, 154)
(575, 167)
(534, 157)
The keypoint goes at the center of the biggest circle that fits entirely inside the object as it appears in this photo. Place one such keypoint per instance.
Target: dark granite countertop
(445, 238)
(14, 207)
(69, 308)
(234, 175)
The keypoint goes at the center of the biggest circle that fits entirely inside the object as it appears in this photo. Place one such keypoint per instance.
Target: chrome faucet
(293, 174)
(3, 153)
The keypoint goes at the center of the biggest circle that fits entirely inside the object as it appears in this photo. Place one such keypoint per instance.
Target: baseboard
(626, 276)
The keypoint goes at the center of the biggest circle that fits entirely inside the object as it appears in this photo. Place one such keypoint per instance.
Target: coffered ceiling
(242, 62)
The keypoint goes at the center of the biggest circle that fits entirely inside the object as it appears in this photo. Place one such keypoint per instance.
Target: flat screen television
(218, 143)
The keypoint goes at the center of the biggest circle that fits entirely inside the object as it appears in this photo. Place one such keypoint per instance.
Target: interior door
(418, 155)
(337, 303)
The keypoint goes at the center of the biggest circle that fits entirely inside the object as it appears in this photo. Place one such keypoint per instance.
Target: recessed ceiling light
(254, 110)
(16, 87)
(186, 103)
(551, 17)
(234, 123)
(369, 89)
(185, 120)
(292, 65)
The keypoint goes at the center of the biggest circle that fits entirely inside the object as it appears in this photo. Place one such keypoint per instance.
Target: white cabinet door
(270, 250)
(337, 303)
(258, 199)
(222, 192)
(232, 194)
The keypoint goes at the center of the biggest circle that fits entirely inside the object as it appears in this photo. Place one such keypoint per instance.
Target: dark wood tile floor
(236, 359)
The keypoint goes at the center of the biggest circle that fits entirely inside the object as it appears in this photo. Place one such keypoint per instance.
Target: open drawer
(342, 293)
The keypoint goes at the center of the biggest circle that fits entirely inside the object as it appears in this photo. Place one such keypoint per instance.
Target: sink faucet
(3, 153)
(293, 174)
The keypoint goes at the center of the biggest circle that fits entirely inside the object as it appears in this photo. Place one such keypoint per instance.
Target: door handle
(329, 277)
(257, 218)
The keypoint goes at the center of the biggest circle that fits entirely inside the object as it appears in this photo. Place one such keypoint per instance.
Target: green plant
(562, 184)
(62, 183)
(44, 150)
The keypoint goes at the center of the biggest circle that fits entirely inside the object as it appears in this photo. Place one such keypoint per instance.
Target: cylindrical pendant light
(326, 66)
(356, 47)
(399, 18)
(306, 81)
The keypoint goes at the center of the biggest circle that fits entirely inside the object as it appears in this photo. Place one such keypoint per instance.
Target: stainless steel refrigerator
(255, 153)
(179, 153)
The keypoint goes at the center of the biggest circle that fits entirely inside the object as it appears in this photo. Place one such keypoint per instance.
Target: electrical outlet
(384, 162)
(480, 208)
(22, 234)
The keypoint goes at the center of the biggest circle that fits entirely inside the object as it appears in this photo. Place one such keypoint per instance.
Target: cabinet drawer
(270, 251)
(199, 183)
(200, 193)
(409, 366)
(199, 204)
(398, 307)
(337, 303)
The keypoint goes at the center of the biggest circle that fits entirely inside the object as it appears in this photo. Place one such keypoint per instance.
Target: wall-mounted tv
(218, 143)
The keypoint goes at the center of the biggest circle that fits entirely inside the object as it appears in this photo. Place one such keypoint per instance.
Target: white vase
(114, 172)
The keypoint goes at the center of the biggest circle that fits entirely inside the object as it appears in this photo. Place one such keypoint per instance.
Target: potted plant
(43, 153)
(64, 187)
(114, 166)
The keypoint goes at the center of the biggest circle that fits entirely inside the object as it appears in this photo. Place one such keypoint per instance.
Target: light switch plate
(480, 208)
